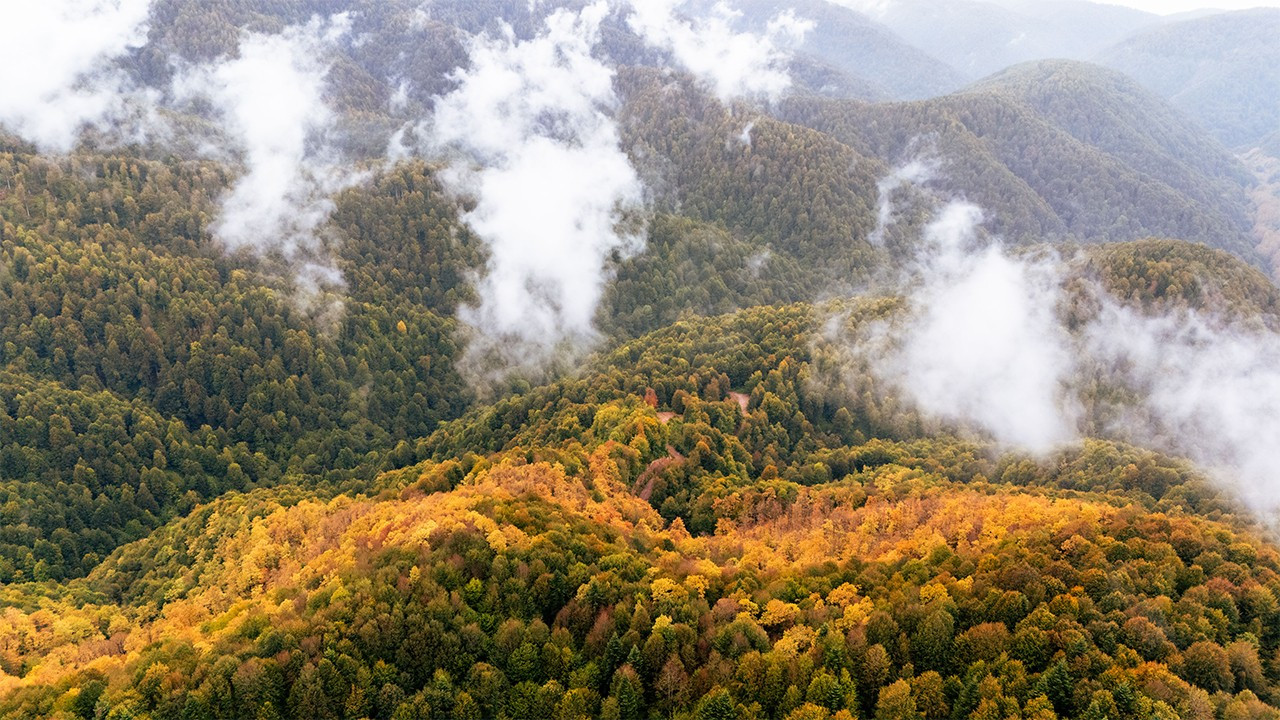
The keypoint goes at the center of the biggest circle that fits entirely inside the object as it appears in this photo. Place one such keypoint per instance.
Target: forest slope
(1041, 143)
(1222, 70)
(567, 551)
(230, 488)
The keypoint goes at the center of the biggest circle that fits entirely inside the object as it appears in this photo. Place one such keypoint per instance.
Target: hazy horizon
(1158, 7)
(1171, 7)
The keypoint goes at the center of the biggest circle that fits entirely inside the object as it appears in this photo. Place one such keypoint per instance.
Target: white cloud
(1210, 392)
(983, 346)
(56, 66)
(915, 172)
(271, 101)
(735, 64)
(531, 141)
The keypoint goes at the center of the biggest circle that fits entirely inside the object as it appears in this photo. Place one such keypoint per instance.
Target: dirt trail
(644, 484)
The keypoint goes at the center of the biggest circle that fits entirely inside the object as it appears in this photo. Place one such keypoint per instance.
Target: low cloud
(914, 173)
(982, 346)
(734, 64)
(535, 154)
(1209, 389)
(57, 67)
(270, 101)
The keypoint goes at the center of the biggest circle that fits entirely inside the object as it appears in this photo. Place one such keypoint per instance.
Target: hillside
(569, 551)
(800, 197)
(1043, 144)
(1111, 112)
(113, 293)
(115, 297)
(625, 359)
(1222, 70)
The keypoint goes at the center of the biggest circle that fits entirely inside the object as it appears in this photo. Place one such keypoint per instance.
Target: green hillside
(1057, 151)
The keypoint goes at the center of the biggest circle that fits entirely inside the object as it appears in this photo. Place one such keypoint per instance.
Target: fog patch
(58, 72)
(982, 345)
(733, 64)
(991, 343)
(534, 154)
(270, 101)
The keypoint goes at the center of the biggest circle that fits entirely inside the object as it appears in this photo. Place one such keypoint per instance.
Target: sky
(1168, 7)
(1160, 7)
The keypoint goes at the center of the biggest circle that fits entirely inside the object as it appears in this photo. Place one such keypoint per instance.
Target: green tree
(717, 705)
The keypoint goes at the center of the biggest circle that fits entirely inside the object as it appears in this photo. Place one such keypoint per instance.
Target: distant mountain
(1060, 150)
(978, 38)
(1111, 112)
(1223, 70)
(856, 46)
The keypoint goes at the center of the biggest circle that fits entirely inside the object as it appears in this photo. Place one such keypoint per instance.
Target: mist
(914, 173)
(533, 151)
(270, 101)
(984, 346)
(733, 64)
(75, 83)
(1210, 392)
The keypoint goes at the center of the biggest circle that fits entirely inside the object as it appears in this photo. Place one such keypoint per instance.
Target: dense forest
(228, 490)
(689, 528)
(1066, 150)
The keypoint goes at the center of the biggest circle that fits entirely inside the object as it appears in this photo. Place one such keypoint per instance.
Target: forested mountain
(379, 359)
(1223, 70)
(110, 293)
(856, 45)
(1044, 143)
(577, 551)
(803, 197)
(979, 37)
